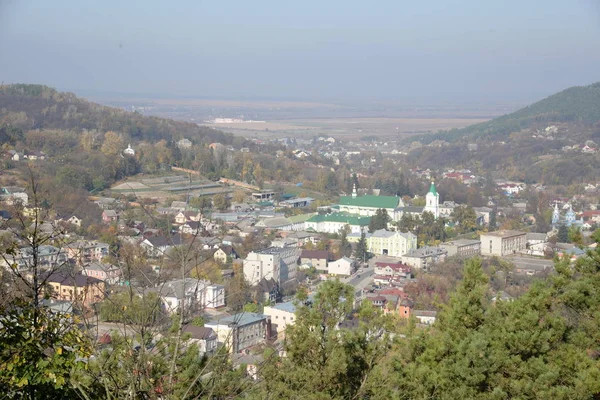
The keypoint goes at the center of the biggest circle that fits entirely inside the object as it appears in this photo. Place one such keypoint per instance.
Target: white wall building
(344, 266)
(278, 263)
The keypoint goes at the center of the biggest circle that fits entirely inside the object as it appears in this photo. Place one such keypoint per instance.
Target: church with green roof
(368, 205)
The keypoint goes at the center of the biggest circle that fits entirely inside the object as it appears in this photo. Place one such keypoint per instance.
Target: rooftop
(370, 201)
(462, 242)
(341, 217)
(426, 252)
(244, 318)
(288, 306)
(504, 233)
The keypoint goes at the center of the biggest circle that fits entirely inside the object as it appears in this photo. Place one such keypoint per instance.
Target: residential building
(462, 248)
(157, 246)
(317, 258)
(425, 256)
(502, 243)
(225, 254)
(281, 315)
(343, 267)
(277, 263)
(191, 228)
(109, 216)
(241, 331)
(193, 294)
(108, 273)
(425, 317)
(393, 269)
(79, 289)
(47, 257)
(205, 338)
(87, 251)
(333, 223)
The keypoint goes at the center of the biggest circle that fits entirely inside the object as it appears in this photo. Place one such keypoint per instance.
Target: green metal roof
(349, 219)
(432, 188)
(370, 201)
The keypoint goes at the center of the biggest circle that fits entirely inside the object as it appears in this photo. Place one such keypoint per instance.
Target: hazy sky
(394, 50)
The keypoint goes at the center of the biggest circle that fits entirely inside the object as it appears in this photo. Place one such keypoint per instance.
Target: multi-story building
(344, 267)
(281, 315)
(87, 251)
(48, 257)
(277, 263)
(193, 294)
(462, 247)
(425, 256)
(80, 289)
(241, 331)
(105, 272)
(503, 242)
(382, 242)
(317, 258)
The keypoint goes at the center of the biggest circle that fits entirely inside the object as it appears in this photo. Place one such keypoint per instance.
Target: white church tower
(432, 201)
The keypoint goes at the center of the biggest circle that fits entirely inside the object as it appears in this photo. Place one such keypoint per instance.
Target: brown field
(345, 128)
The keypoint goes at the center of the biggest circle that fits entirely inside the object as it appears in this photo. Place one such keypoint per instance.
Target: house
(192, 294)
(184, 144)
(462, 248)
(502, 243)
(191, 228)
(393, 269)
(78, 288)
(425, 317)
(35, 155)
(157, 246)
(205, 338)
(277, 263)
(224, 254)
(74, 220)
(87, 251)
(108, 273)
(241, 331)
(109, 216)
(425, 256)
(47, 257)
(344, 267)
(267, 290)
(281, 315)
(317, 258)
(106, 203)
(184, 216)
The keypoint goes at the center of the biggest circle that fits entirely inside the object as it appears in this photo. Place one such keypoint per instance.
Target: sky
(435, 51)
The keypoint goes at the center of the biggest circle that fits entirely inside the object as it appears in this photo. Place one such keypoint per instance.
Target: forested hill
(29, 107)
(576, 105)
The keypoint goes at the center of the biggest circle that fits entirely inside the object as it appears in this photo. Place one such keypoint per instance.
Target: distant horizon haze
(348, 52)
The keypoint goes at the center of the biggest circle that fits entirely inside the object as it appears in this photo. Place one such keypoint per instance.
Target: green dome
(432, 188)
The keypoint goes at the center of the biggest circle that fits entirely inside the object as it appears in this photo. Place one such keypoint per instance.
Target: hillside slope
(29, 107)
(576, 105)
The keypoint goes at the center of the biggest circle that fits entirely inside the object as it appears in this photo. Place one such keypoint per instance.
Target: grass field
(345, 128)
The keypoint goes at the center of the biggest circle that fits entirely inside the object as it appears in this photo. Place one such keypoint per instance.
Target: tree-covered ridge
(578, 104)
(29, 107)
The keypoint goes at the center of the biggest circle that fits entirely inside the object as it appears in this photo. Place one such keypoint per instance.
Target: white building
(432, 201)
(129, 151)
(344, 266)
(193, 294)
(503, 242)
(277, 263)
(282, 315)
(425, 256)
